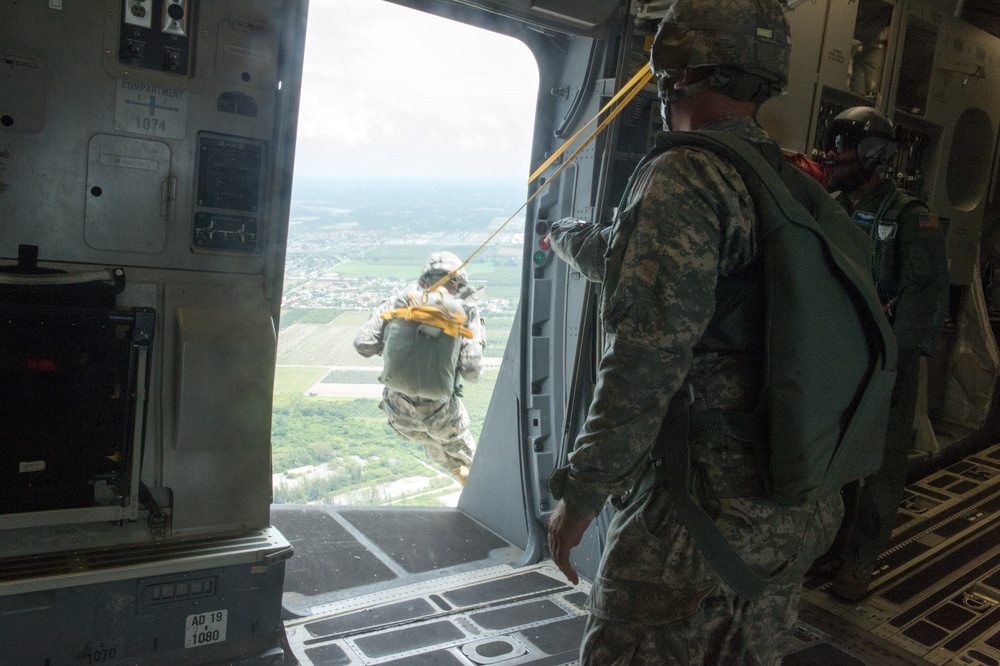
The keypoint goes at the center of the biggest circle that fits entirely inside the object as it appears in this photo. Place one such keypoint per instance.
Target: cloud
(392, 91)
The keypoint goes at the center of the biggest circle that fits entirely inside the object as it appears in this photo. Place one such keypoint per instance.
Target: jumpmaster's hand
(565, 533)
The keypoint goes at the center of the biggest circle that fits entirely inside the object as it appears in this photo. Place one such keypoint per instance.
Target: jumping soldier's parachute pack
(830, 352)
(423, 339)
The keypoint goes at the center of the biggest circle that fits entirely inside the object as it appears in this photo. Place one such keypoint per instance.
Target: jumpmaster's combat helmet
(748, 42)
(440, 264)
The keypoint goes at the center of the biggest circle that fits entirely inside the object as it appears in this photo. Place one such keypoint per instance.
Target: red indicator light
(41, 364)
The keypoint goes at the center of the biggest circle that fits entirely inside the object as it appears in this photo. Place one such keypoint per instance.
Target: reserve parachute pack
(830, 352)
(422, 342)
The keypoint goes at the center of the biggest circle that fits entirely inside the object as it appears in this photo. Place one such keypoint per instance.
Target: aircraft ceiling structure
(575, 17)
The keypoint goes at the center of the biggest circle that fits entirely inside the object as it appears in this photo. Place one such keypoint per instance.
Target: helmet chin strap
(726, 80)
(668, 93)
(834, 163)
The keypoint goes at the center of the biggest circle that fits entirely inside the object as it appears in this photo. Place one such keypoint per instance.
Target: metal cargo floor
(936, 592)
(433, 587)
(420, 587)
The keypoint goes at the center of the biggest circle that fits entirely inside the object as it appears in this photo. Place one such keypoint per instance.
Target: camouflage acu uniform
(685, 222)
(442, 428)
(582, 245)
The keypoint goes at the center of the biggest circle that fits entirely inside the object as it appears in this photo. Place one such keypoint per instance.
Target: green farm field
(326, 395)
(331, 344)
(354, 244)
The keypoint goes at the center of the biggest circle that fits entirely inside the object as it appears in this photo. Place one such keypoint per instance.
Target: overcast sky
(389, 91)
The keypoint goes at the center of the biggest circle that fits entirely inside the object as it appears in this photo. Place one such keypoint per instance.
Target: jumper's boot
(852, 581)
(825, 566)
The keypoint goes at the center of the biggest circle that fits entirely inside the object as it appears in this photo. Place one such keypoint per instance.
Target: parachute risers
(422, 342)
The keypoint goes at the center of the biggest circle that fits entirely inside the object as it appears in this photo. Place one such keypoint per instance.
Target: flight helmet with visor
(866, 130)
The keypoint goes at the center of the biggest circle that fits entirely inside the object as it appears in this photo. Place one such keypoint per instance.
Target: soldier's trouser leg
(450, 454)
(444, 434)
(658, 600)
(451, 445)
(726, 629)
(879, 497)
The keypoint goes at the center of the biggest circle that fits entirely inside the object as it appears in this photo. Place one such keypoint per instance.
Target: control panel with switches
(155, 34)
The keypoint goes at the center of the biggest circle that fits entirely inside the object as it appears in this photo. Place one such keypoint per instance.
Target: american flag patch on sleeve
(929, 221)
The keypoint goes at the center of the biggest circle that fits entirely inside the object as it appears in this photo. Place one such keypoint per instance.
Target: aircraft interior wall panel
(545, 386)
(566, 197)
(568, 72)
(589, 14)
(961, 103)
(575, 89)
(547, 424)
(74, 90)
(221, 605)
(218, 374)
(207, 442)
(232, 93)
(582, 85)
(40, 192)
(835, 58)
(782, 117)
(576, 17)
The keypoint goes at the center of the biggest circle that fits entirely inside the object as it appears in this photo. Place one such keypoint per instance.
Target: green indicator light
(539, 257)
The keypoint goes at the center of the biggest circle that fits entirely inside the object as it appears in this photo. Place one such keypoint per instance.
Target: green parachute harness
(422, 342)
(831, 354)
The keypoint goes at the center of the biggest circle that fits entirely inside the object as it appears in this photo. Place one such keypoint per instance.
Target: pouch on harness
(422, 341)
(830, 351)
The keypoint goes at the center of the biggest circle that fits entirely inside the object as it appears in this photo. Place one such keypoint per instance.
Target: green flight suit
(909, 266)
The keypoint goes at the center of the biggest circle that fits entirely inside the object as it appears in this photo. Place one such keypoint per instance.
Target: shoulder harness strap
(763, 170)
(451, 323)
